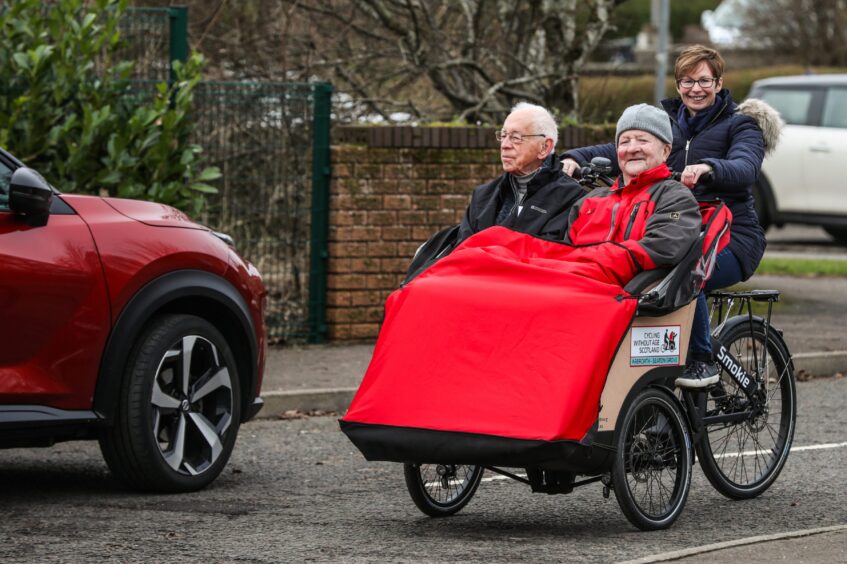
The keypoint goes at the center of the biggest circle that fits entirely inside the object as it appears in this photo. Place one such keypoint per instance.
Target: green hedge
(68, 109)
(602, 99)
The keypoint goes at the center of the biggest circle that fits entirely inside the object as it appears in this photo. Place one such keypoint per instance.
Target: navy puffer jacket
(732, 144)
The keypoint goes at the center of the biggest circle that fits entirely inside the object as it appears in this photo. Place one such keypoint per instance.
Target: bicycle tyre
(651, 473)
(725, 449)
(440, 490)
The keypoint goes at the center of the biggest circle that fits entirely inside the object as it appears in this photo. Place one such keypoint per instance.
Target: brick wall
(392, 188)
(384, 203)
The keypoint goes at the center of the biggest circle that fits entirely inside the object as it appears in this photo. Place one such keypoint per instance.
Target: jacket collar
(547, 172)
(672, 105)
(644, 179)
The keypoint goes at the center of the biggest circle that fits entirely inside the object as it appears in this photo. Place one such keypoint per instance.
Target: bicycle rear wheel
(743, 458)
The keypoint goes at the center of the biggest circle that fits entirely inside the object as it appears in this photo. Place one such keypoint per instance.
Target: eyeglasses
(703, 82)
(514, 137)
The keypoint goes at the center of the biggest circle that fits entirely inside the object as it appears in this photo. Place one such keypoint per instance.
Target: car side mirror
(29, 194)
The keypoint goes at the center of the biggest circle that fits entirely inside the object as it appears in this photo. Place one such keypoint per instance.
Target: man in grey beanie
(645, 118)
(654, 217)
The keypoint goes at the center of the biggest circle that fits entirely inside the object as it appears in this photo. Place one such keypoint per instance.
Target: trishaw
(643, 444)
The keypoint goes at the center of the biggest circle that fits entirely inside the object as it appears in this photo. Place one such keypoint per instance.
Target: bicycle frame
(723, 303)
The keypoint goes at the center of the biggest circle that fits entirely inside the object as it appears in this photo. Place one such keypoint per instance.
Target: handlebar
(598, 172)
(595, 173)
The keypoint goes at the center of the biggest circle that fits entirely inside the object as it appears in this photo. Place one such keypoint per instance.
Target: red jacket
(655, 220)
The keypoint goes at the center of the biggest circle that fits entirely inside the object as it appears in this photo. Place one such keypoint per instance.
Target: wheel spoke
(209, 434)
(214, 381)
(187, 352)
(455, 487)
(190, 469)
(175, 456)
(157, 420)
(161, 399)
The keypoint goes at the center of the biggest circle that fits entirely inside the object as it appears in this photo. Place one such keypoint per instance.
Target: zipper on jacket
(632, 220)
(514, 212)
(612, 227)
(688, 141)
(513, 183)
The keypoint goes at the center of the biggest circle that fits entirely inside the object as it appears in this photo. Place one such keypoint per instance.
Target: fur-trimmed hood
(768, 119)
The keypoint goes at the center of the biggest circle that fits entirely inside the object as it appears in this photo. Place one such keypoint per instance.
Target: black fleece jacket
(549, 197)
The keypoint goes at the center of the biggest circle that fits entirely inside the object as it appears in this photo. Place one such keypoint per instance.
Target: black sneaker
(699, 374)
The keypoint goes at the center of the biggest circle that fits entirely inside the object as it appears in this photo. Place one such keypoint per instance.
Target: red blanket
(509, 335)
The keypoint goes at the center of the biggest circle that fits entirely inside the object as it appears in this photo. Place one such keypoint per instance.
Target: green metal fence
(271, 142)
(147, 35)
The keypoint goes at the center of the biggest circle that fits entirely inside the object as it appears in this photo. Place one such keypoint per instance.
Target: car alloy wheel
(179, 409)
(192, 405)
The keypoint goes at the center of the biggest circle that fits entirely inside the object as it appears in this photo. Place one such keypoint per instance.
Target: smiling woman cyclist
(712, 134)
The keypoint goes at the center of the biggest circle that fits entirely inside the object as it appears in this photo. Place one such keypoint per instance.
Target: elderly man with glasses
(532, 195)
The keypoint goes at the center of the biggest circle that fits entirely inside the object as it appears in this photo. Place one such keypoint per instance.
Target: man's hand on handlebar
(569, 166)
(691, 174)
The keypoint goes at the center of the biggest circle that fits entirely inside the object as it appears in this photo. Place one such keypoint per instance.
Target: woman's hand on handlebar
(691, 174)
(569, 166)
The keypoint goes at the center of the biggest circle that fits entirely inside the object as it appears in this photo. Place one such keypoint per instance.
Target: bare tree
(815, 31)
(480, 56)
(429, 59)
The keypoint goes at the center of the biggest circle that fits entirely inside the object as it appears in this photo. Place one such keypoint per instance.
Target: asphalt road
(803, 241)
(298, 490)
(799, 235)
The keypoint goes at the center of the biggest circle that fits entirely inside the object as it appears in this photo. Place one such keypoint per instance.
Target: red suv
(126, 322)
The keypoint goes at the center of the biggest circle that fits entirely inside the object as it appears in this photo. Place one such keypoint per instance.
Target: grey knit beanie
(645, 118)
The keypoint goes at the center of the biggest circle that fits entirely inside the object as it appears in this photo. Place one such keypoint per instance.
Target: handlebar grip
(704, 178)
(581, 172)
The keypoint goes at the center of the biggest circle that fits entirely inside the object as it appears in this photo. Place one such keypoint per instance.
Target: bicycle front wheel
(652, 468)
(440, 490)
(743, 458)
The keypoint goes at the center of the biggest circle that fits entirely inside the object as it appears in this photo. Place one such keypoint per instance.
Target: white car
(802, 181)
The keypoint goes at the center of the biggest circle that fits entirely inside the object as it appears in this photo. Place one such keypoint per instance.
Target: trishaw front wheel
(440, 490)
(651, 474)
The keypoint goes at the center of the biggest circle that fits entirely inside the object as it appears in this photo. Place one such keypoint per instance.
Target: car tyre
(838, 233)
(179, 408)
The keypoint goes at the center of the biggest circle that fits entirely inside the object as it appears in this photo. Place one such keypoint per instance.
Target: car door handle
(820, 149)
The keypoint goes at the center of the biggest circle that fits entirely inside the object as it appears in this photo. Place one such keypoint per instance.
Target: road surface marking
(793, 449)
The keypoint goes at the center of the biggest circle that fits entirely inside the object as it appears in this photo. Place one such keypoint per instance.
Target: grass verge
(803, 267)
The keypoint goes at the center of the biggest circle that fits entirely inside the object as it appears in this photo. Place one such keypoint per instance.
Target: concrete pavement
(822, 544)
